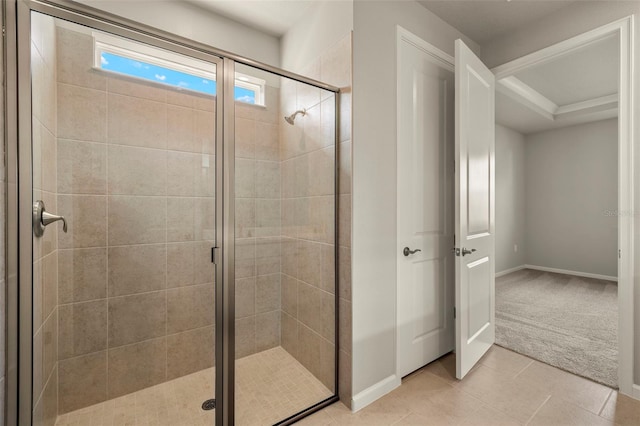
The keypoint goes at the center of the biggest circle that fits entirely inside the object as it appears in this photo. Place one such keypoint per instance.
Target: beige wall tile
(327, 372)
(328, 268)
(344, 378)
(49, 344)
(137, 171)
(86, 220)
(204, 103)
(75, 60)
(344, 218)
(288, 218)
(83, 381)
(289, 340)
(309, 350)
(181, 128)
(345, 167)
(267, 330)
(267, 144)
(205, 217)
(136, 366)
(345, 325)
(345, 116)
(309, 265)
(288, 178)
(268, 255)
(205, 136)
(82, 328)
(136, 318)
(180, 264)
(82, 167)
(328, 120)
(190, 351)
(322, 214)
(245, 178)
(245, 218)
(136, 220)
(245, 297)
(49, 283)
(136, 121)
(245, 133)
(290, 257)
(322, 169)
(344, 284)
(245, 336)
(307, 95)
(309, 306)
(137, 269)
(50, 401)
(81, 113)
(190, 307)
(301, 176)
(133, 87)
(37, 295)
(313, 139)
(37, 366)
(181, 218)
(245, 258)
(268, 215)
(190, 174)
(82, 274)
(204, 269)
(49, 164)
(292, 138)
(328, 316)
(268, 293)
(290, 295)
(267, 179)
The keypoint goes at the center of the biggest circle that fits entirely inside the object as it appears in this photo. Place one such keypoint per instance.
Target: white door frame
(447, 62)
(623, 30)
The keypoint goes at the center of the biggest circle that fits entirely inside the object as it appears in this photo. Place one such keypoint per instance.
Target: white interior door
(425, 206)
(474, 211)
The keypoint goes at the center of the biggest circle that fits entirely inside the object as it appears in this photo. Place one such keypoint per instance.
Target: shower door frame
(19, 239)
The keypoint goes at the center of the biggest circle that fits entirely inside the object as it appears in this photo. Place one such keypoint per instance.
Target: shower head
(292, 118)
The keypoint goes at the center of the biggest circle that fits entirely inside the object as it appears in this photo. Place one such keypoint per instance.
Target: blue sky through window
(158, 74)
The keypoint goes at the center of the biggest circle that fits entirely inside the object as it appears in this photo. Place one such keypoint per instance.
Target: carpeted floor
(562, 320)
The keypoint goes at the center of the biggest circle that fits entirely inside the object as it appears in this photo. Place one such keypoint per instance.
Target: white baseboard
(636, 392)
(508, 271)
(370, 394)
(576, 273)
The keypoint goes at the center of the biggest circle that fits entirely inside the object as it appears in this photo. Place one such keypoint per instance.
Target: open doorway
(557, 209)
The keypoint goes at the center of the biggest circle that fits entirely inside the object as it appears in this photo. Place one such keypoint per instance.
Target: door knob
(41, 218)
(407, 251)
(467, 251)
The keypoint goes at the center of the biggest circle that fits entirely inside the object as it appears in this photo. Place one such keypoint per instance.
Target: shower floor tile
(270, 386)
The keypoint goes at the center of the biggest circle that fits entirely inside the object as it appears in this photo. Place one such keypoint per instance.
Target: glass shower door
(285, 281)
(124, 151)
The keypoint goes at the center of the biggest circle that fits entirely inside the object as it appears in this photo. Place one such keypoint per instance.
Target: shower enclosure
(177, 228)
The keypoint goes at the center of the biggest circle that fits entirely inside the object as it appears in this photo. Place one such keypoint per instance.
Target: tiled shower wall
(307, 154)
(135, 180)
(45, 249)
(258, 226)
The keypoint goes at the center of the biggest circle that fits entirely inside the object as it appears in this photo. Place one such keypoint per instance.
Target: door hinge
(619, 254)
(454, 312)
(215, 255)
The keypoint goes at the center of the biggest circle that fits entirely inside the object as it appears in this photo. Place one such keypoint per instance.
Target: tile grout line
(523, 369)
(606, 401)
(537, 410)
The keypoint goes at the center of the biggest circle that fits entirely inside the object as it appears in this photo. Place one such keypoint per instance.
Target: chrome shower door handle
(41, 218)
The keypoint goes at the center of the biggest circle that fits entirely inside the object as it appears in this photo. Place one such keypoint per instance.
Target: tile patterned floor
(270, 386)
(505, 388)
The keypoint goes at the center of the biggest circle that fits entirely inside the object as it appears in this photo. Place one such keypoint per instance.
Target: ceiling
(484, 20)
(577, 87)
(273, 17)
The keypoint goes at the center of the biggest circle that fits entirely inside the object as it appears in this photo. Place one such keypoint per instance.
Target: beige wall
(135, 180)
(510, 199)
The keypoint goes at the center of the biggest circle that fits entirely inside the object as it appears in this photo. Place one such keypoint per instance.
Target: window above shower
(131, 59)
